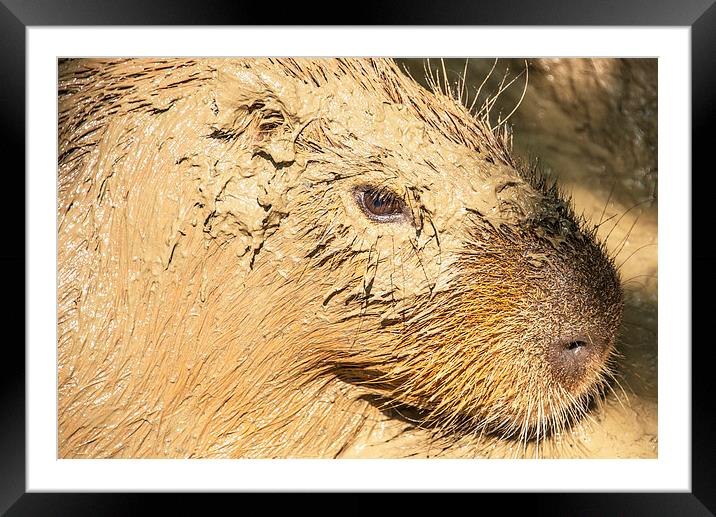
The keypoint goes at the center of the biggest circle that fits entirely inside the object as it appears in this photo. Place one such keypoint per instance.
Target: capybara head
(256, 255)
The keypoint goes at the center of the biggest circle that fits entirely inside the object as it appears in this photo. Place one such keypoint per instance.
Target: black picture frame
(699, 15)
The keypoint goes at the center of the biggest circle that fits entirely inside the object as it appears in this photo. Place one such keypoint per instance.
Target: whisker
(484, 81)
(622, 216)
(634, 253)
(624, 241)
(524, 91)
(604, 210)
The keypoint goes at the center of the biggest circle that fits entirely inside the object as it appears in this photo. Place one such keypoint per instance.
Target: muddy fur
(221, 292)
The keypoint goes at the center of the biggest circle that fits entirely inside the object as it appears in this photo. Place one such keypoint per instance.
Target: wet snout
(573, 356)
(581, 312)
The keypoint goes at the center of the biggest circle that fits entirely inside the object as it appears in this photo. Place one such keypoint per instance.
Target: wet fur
(232, 378)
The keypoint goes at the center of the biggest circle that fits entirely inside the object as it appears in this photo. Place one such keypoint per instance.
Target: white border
(671, 471)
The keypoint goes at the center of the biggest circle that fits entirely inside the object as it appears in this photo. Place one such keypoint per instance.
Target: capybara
(296, 258)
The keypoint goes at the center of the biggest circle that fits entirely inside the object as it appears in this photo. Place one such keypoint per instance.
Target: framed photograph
(451, 256)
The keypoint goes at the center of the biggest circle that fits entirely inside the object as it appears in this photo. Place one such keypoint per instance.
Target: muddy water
(593, 125)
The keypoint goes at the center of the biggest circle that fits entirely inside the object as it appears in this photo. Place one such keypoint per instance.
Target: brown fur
(220, 295)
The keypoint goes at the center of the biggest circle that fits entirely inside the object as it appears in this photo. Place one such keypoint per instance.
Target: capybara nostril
(575, 344)
(571, 357)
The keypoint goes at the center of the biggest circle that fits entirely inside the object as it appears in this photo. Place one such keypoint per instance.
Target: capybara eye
(380, 205)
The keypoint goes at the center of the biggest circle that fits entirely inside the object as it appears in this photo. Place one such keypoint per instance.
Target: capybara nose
(570, 357)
